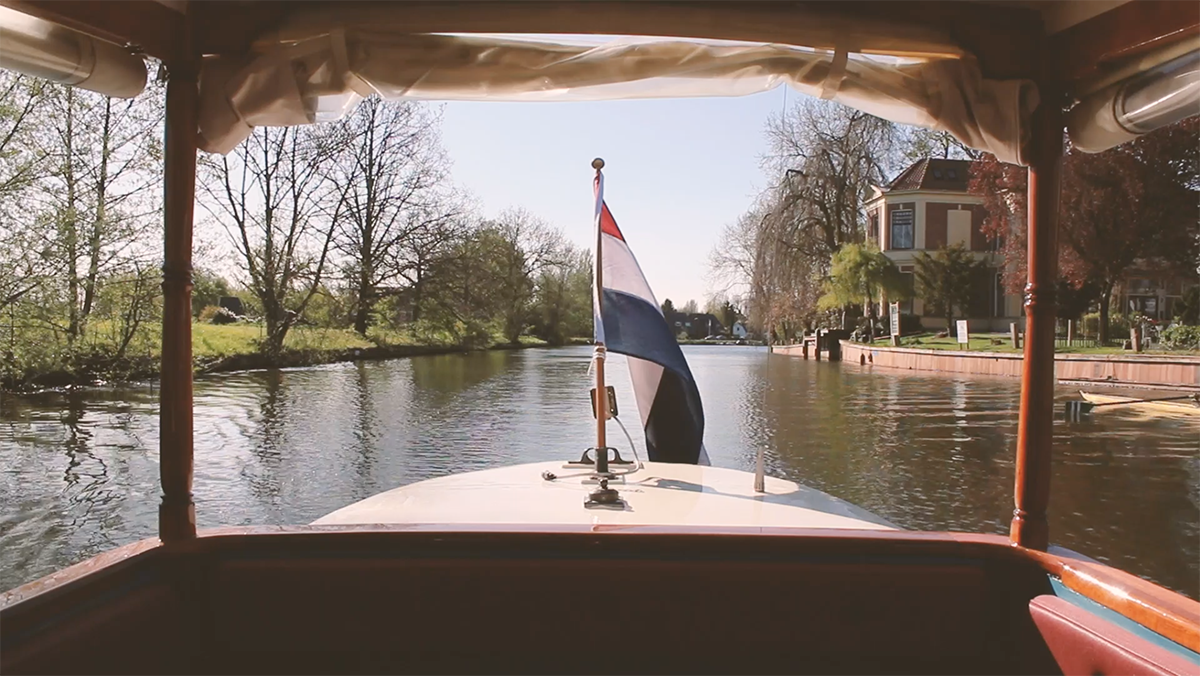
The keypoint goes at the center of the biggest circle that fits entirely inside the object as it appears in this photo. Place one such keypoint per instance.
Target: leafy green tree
(860, 274)
(668, 307)
(945, 279)
(207, 289)
(563, 298)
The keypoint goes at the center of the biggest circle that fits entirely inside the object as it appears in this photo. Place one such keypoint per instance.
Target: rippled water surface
(80, 470)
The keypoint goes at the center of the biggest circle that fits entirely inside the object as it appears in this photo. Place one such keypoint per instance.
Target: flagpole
(600, 350)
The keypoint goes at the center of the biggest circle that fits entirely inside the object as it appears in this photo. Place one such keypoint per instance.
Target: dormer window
(951, 174)
(937, 173)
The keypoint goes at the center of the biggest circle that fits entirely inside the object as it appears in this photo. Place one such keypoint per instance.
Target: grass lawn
(211, 340)
(987, 342)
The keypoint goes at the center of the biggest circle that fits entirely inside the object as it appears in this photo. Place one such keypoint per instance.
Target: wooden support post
(817, 346)
(177, 513)
(1035, 427)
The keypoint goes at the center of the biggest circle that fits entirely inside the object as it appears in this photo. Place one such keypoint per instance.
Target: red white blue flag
(629, 321)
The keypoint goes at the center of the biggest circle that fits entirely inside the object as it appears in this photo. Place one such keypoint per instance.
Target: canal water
(79, 470)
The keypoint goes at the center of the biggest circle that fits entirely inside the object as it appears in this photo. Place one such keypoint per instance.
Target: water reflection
(80, 471)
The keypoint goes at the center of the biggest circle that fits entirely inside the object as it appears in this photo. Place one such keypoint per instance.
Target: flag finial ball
(597, 164)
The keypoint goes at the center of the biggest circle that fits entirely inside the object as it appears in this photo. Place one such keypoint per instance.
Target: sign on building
(963, 337)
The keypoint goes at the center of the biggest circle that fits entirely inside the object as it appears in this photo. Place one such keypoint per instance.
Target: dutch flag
(629, 321)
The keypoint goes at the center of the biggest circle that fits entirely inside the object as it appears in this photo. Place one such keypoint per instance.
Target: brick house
(925, 208)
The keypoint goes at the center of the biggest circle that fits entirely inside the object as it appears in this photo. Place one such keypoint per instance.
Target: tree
(527, 246)
(919, 143)
(826, 158)
(207, 289)
(668, 307)
(277, 205)
(859, 274)
(1187, 310)
(690, 308)
(95, 203)
(563, 297)
(1135, 201)
(759, 254)
(829, 156)
(945, 279)
(22, 163)
(391, 164)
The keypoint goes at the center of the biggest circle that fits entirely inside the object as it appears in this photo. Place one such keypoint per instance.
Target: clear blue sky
(677, 171)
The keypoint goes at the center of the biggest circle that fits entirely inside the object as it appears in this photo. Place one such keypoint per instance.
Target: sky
(676, 171)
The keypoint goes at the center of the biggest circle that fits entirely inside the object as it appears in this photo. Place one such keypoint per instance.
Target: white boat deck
(658, 494)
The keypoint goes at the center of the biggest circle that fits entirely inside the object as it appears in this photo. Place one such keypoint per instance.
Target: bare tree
(97, 201)
(21, 164)
(274, 199)
(532, 246)
(827, 157)
(391, 210)
(762, 257)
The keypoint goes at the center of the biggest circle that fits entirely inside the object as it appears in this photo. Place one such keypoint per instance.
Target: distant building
(1150, 290)
(925, 208)
(739, 330)
(695, 325)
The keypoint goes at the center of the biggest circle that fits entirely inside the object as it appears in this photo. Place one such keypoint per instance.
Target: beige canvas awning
(319, 64)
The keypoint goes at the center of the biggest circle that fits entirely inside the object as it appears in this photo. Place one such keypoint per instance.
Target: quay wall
(1131, 370)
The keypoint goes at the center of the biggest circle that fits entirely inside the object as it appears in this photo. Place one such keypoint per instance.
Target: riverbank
(1130, 370)
(218, 349)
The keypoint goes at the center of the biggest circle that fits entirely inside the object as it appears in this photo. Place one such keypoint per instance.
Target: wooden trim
(1035, 426)
(177, 512)
(142, 24)
(1122, 32)
(1165, 612)
(83, 572)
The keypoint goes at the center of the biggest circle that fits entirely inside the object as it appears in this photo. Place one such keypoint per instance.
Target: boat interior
(532, 600)
(630, 599)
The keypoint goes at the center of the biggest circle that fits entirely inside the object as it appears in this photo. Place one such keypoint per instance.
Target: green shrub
(206, 315)
(1181, 337)
(1118, 325)
(1187, 310)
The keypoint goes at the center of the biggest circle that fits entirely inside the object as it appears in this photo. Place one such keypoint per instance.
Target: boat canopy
(321, 62)
(282, 64)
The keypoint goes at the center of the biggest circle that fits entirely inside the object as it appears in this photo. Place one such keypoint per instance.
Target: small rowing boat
(1184, 406)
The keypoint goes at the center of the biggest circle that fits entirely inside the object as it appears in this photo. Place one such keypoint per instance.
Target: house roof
(932, 174)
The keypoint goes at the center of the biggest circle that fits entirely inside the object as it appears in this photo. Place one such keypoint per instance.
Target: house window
(958, 225)
(1140, 285)
(902, 229)
(873, 226)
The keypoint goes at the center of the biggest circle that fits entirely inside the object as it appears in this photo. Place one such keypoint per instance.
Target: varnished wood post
(1035, 428)
(177, 513)
(600, 350)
